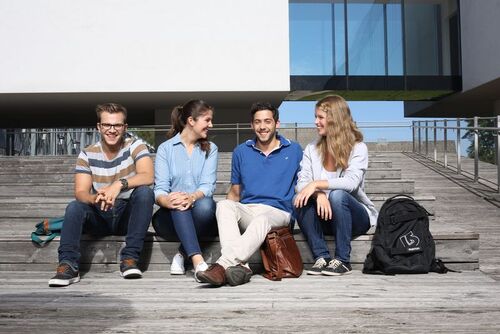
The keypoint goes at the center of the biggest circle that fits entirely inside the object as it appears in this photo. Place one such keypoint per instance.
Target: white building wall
(480, 30)
(143, 46)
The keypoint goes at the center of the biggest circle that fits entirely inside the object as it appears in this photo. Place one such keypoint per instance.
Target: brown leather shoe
(237, 275)
(215, 275)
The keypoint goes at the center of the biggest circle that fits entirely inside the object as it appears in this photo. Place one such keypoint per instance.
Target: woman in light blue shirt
(331, 197)
(185, 175)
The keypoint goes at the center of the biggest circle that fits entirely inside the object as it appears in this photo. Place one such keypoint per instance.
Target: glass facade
(366, 38)
(374, 38)
(312, 45)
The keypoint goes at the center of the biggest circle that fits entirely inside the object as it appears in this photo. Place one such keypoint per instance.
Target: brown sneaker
(215, 275)
(237, 275)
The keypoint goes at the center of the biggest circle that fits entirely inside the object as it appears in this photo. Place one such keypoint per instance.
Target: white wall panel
(480, 28)
(143, 46)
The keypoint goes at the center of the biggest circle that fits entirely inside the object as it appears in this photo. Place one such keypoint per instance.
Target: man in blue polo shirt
(263, 177)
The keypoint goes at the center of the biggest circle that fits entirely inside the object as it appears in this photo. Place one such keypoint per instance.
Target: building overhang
(38, 110)
(479, 101)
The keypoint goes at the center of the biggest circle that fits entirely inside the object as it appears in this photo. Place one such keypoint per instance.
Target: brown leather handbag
(280, 255)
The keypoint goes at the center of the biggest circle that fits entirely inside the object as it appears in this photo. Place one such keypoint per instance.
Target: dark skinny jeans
(127, 217)
(186, 226)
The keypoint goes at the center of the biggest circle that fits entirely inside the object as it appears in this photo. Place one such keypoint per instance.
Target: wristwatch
(124, 184)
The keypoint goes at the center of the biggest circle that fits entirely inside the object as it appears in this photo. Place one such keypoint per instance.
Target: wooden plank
(106, 250)
(39, 208)
(104, 303)
(222, 175)
(66, 188)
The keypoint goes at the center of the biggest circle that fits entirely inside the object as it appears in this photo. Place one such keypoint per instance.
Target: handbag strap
(273, 244)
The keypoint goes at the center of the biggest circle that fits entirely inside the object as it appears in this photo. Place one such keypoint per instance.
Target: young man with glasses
(113, 197)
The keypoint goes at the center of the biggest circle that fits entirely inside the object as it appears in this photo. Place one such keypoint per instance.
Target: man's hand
(234, 192)
(106, 196)
(303, 196)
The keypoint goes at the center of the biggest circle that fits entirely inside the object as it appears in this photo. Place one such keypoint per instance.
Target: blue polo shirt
(267, 179)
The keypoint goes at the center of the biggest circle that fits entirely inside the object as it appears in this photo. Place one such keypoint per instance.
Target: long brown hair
(180, 114)
(341, 131)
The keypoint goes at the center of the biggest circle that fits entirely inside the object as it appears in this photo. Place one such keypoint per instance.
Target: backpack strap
(406, 217)
(399, 196)
(437, 266)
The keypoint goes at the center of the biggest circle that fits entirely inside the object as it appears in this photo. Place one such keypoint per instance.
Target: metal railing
(448, 150)
(441, 141)
(35, 142)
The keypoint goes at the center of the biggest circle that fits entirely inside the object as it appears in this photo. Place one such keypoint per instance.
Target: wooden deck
(466, 302)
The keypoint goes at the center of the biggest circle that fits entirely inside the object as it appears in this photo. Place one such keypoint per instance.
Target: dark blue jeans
(187, 226)
(127, 217)
(350, 219)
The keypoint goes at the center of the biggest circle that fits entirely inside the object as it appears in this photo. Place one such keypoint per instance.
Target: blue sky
(388, 112)
(362, 111)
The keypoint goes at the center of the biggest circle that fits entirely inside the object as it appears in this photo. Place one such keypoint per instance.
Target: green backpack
(47, 230)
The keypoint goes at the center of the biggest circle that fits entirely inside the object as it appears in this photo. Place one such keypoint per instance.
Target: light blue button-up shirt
(175, 170)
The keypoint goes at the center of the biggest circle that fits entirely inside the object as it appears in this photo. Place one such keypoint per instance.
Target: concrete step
(222, 175)
(458, 249)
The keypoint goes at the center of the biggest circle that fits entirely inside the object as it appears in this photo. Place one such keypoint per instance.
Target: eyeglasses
(107, 126)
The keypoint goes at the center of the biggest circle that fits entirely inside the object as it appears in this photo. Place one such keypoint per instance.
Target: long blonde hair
(341, 131)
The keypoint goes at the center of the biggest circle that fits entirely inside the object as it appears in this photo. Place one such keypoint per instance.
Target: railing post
(419, 138)
(53, 142)
(33, 140)
(435, 141)
(426, 138)
(476, 149)
(459, 162)
(296, 134)
(498, 153)
(413, 130)
(445, 136)
(10, 142)
(237, 134)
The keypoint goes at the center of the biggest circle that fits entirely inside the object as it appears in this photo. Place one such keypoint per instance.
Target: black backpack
(402, 243)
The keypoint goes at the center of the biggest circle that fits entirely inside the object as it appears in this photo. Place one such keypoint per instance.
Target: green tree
(147, 136)
(486, 141)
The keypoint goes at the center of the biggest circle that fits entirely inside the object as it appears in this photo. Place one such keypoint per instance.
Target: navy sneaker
(336, 268)
(129, 269)
(318, 266)
(65, 275)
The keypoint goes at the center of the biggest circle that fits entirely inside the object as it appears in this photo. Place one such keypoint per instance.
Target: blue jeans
(350, 219)
(187, 226)
(127, 217)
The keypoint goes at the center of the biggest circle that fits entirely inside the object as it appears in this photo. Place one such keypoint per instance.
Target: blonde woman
(331, 197)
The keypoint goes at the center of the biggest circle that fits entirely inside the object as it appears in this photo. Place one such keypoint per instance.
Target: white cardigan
(351, 179)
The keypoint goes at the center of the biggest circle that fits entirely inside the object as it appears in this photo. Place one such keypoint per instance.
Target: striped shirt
(104, 171)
